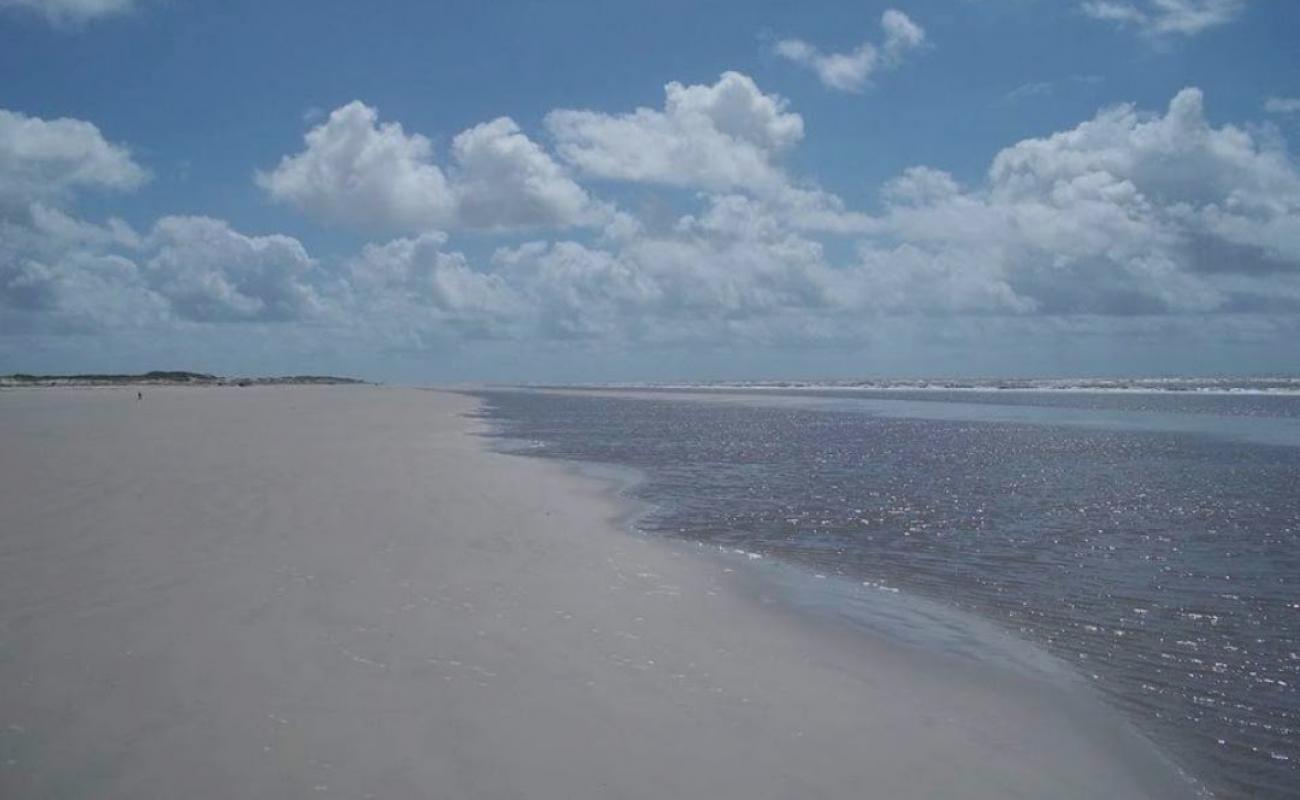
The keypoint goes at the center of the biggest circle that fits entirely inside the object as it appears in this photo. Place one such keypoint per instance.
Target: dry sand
(339, 591)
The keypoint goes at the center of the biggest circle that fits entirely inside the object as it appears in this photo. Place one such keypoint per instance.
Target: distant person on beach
(139, 395)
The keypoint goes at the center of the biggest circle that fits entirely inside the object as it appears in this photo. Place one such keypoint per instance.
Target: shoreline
(803, 591)
(924, 627)
(841, 606)
(347, 588)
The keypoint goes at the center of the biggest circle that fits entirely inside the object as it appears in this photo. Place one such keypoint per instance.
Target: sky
(594, 191)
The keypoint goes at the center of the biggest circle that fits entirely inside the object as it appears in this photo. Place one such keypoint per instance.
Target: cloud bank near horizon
(1130, 216)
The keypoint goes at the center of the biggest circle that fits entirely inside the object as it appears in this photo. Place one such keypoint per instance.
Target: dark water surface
(1151, 540)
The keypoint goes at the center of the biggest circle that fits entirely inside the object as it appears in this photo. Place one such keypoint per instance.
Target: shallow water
(1150, 540)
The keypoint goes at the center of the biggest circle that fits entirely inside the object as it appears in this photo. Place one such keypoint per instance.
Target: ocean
(1147, 538)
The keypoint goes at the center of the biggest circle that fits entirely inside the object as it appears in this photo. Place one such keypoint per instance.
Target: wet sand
(340, 591)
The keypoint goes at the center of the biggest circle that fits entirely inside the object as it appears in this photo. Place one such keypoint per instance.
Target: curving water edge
(911, 552)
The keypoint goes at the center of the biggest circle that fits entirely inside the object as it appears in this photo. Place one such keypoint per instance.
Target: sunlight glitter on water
(1153, 547)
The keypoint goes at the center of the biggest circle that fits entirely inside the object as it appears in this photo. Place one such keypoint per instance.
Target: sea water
(1150, 539)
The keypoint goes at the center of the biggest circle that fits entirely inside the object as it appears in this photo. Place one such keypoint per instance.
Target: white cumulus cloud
(355, 169)
(717, 137)
(412, 291)
(359, 171)
(209, 272)
(506, 180)
(58, 273)
(1128, 213)
(851, 71)
(62, 273)
(724, 137)
(731, 267)
(51, 158)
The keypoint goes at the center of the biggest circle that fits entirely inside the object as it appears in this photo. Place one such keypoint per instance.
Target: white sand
(307, 592)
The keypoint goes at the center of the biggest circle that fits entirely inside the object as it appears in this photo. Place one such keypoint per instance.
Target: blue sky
(927, 187)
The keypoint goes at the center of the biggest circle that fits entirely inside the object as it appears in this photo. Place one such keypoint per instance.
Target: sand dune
(339, 591)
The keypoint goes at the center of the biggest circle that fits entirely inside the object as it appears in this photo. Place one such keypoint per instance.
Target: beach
(301, 591)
